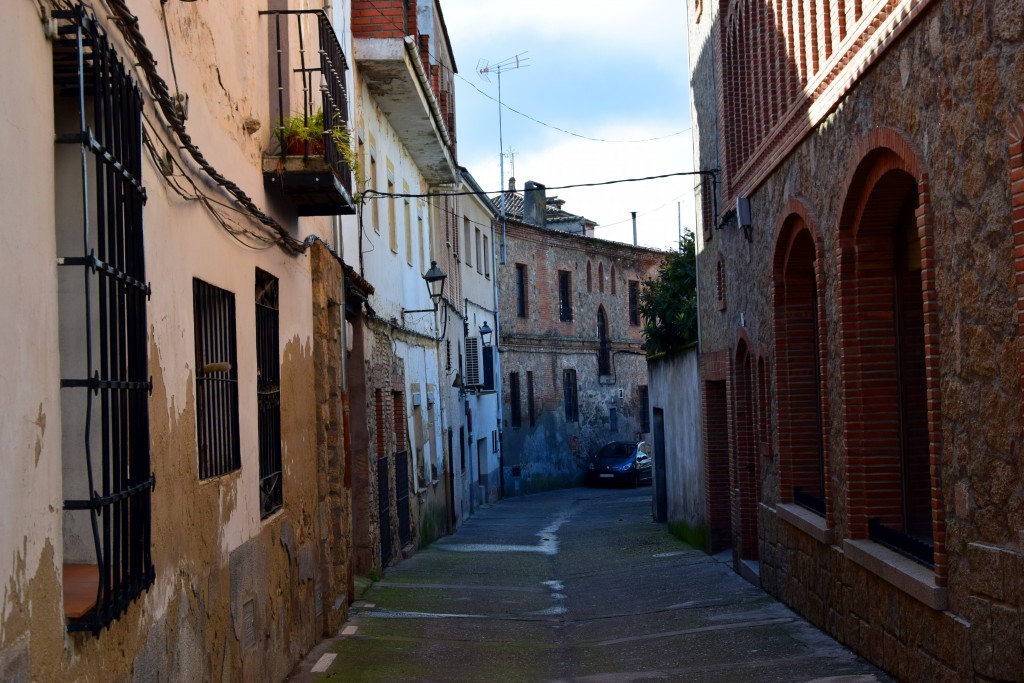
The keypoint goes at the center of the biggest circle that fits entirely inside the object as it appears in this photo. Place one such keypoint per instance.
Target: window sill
(806, 521)
(912, 578)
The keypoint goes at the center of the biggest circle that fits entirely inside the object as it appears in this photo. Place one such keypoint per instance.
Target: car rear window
(616, 450)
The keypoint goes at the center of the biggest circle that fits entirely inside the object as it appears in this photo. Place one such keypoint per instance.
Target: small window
(720, 283)
(407, 217)
(590, 277)
(645, 408)
(529, 399)
(600, 277)
(634, 303)
(467, 252)
(487, 258)
(392, 219)
(216, 380)
(479, 252)
(521, 290)
(373, 180)
(513, 393)
(572, 409)
(268, 392)
(565, 296)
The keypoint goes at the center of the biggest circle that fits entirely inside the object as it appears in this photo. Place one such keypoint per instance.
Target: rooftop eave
(394, 75)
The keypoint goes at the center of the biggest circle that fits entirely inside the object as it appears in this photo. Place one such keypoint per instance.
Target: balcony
(310, 164)
(391, 66)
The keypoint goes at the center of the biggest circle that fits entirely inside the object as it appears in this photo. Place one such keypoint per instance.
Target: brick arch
(888, 323)
(1015, 137)
(801, 336)
(744, 460)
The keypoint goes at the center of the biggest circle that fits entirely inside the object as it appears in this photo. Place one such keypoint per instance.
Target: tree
(668, 303)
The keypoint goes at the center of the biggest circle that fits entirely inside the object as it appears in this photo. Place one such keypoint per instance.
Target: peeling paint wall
(235, 595)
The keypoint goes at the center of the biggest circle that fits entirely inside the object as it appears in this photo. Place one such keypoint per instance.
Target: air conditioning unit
(473, 376)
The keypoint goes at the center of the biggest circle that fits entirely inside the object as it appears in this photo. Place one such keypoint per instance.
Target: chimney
(511, 184)
(535, 204)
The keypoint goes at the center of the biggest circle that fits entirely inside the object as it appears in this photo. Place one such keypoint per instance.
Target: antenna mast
(485, 69)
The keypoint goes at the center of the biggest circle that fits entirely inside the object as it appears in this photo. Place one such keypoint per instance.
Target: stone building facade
(573, 363)
(860, 322)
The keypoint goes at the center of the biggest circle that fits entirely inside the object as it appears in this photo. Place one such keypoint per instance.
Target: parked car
(622, 462)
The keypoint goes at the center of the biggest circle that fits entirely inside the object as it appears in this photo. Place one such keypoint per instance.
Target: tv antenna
(484, 69)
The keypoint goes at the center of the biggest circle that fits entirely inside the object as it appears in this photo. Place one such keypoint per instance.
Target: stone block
(987, 573)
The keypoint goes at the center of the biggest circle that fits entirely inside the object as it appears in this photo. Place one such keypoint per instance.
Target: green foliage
(300, 130)
(668, 303)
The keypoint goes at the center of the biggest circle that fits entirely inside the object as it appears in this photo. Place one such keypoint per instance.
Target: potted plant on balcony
(298, 131)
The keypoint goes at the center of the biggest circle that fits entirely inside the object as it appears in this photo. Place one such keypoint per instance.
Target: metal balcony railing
(319, 62)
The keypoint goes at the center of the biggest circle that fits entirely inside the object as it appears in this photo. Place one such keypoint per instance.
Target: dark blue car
(621, 462)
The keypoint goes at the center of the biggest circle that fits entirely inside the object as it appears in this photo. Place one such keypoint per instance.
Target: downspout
(497, 367)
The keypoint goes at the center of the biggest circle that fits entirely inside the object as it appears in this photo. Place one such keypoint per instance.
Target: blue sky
(601, 69)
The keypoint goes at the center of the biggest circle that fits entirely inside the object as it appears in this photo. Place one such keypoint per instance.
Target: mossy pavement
(573, 585)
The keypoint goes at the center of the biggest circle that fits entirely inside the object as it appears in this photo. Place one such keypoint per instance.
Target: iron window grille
(564, 296)
(571, 398)
(268, 392)
(920, 549)
(105, 385)
(216, 380)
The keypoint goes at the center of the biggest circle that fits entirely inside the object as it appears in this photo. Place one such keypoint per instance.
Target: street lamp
(434, 278)
(485, 334)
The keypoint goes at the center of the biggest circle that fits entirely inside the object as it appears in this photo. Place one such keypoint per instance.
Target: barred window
(216, 380)
(102, 326)
(268, 391)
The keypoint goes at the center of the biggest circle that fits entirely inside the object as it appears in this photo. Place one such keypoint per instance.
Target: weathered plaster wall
(234, 594)
(675, 389)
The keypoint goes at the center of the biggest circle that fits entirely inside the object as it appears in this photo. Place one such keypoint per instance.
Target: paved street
(575, 585)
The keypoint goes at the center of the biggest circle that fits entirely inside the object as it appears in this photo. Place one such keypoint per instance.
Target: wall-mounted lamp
(434, 278)
(743, 217)
(485, 333)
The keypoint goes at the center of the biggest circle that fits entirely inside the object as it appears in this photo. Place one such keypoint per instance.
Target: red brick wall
(383, 18)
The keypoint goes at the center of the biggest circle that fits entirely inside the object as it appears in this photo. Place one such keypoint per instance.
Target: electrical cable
(128, 24)
(516, 111)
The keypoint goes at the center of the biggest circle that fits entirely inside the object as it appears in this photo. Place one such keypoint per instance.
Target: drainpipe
(497, 366)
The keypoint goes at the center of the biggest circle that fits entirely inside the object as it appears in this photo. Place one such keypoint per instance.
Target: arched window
(590, 278)
(886, 365)
(611, 279)
(604, 353)
(798, 350)
(600, 277)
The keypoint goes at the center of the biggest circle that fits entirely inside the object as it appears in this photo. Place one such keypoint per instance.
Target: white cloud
(573, 162)
(652, 29)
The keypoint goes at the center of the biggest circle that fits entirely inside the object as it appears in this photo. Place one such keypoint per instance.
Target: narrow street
(574, 585)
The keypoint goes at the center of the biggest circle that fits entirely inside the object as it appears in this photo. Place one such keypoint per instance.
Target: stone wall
(940, 105)
(552, 452)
